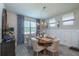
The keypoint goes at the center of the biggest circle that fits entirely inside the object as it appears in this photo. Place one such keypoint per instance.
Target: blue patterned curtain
(20, 29)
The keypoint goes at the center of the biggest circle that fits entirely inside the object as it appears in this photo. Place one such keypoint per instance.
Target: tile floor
(22, 50)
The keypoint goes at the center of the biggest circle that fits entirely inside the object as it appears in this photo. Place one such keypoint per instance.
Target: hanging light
(41, 14)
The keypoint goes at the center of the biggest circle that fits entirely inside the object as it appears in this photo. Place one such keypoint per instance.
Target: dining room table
(45, 42)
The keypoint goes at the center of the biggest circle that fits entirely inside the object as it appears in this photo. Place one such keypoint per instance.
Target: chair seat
(38, 48)
(51, 49)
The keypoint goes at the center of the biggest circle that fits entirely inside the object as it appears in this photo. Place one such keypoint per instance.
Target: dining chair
(54, 48)
(36, 48)
(27, 38)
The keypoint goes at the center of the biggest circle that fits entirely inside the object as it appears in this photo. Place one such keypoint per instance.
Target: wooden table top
(44, 41)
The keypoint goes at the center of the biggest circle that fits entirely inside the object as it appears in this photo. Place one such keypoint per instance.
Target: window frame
(68, 19)
(55, 23)
(30, 27)
(32, 32)
(26, 27)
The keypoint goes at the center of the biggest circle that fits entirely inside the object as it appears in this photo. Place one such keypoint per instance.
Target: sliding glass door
(29, 31)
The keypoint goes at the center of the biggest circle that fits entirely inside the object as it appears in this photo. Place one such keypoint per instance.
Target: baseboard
(74, 48)
(64, 45)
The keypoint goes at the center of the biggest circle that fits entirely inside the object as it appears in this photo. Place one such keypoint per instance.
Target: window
(68, 19)
(29, 27)
(68, 23)
(33, 27)
(52, 25)
(52, 22)
(26, 27)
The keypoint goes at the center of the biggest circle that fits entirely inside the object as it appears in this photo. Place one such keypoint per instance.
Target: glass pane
(52, 20)
(33, 24)
(26, 23)
(52, 25)
(68, 17)
(68, 23)
(26, 27)
(33, 27)
(27, 30)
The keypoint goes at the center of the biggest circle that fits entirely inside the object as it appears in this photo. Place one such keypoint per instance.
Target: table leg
(45, 51)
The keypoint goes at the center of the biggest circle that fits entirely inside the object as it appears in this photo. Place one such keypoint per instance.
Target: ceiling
(35, 10)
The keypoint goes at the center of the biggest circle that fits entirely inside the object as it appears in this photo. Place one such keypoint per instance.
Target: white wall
(68, 35)
(1, 8)
(12, 22)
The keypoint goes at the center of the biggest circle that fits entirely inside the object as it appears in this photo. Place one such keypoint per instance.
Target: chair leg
(37, 53)
(52, 54)
(55, 53)
(33, 53)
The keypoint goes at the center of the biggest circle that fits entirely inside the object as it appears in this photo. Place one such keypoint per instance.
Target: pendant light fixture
(43, 23)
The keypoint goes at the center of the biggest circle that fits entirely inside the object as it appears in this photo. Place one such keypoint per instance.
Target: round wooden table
(45, 42)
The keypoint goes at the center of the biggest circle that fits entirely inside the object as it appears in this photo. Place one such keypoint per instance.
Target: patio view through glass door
(29, 31)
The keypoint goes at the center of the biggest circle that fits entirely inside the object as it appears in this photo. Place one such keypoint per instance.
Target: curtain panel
(20, 29)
